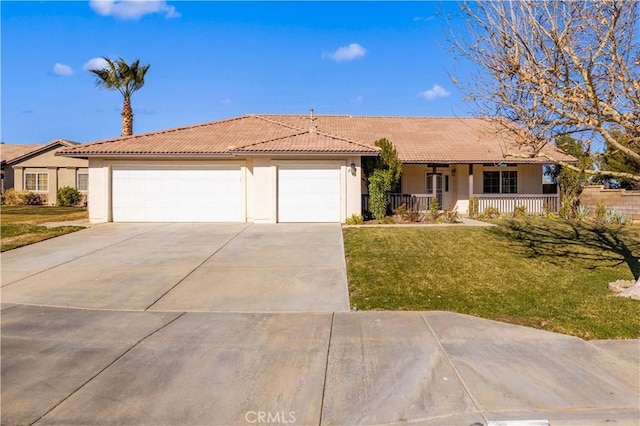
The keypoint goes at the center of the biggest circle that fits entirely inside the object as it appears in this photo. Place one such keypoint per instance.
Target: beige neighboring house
(303, 168)
(41, 171)
(7, 153)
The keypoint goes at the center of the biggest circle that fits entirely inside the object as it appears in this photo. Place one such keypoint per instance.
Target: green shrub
(379, 187)
(355, 219)
(434, 208)
(613, 217)
(474, 204)
(520, 211)
(68, 197)
(582, 212)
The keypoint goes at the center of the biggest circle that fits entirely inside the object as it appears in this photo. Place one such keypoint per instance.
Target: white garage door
(177, 195)
(309, 195)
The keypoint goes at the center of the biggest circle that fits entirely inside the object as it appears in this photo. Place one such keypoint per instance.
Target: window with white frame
(38, 182)
(500, 182)
(82, 181)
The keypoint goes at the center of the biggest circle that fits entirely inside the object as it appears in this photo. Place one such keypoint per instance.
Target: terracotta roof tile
(10, 151)
(417, 139)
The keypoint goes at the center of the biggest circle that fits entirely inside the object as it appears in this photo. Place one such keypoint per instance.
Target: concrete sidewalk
(89, 367)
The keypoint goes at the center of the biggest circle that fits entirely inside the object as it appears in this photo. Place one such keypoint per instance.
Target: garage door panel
(309, 194)
(177, 195)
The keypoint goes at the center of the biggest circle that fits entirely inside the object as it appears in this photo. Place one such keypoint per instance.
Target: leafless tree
(551, 68)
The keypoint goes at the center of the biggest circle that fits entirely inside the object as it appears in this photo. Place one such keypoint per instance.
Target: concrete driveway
(89, 367)
(183, 267)
(118, 338)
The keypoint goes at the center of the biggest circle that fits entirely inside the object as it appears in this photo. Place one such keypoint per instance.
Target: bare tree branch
(554, 68)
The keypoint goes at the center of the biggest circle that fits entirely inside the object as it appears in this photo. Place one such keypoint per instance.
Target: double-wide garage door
(177, 195)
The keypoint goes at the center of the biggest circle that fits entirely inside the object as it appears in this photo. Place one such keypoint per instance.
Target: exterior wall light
(353, 169)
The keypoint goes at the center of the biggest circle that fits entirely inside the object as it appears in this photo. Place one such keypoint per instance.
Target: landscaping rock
(625, 288)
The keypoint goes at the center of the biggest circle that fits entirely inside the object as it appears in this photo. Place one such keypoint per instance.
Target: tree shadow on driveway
(592, 245)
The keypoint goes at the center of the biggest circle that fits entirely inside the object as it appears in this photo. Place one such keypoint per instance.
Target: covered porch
(502, 186)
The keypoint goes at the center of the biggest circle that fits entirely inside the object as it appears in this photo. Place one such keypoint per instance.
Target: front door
(437, 184)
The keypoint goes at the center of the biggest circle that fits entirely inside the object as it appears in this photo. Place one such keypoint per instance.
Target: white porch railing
(506, 203)
(413, 202)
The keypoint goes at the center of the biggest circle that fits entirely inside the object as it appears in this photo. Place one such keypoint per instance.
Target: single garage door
(177, 195)
(309, 194)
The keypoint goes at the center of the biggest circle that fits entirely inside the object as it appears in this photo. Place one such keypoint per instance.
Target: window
(36, 182)
(491, 182)
(83, 182)
(509, 182)
(502, 182)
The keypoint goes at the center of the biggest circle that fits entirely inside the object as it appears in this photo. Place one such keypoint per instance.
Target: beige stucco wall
(62, 171)
(259, 186)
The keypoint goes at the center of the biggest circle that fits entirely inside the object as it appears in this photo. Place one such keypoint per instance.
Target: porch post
(470, 181)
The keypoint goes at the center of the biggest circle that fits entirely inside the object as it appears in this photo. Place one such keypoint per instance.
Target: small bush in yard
(434, 208)
(601, 212)
(451, 216)
(413, 216)
(68, 197)
(582, 212)
(491, 212)
(474, 204)
(519, 211)
(31, 199)
(401, 210)
(11, 197)
(355, 220)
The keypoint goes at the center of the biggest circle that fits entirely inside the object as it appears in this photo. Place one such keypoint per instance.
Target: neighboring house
(303, 168)
(41, 171)
(7, 153)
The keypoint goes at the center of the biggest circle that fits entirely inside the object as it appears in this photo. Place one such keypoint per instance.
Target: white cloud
(357, 100)
(133, 9)
(95, 64)
(62, 69)
(435, 92)
(226, 101)
(347, 53)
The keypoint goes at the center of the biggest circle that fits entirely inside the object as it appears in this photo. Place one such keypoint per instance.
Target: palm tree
(125, 78)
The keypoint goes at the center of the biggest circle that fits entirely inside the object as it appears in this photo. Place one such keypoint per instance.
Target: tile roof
(417, 139)
(37, 149)
(10, 151)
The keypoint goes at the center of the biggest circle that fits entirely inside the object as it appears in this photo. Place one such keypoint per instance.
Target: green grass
(541, 273)
(20, 225)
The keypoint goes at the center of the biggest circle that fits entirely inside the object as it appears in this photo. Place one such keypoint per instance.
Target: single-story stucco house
(41, 171)
(7, 153)
(302, 168)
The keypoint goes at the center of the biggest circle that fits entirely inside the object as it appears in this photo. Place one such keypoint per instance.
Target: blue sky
(213, 60)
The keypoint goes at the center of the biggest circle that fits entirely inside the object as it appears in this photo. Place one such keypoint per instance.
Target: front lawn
(540, 273)
(20, 225)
